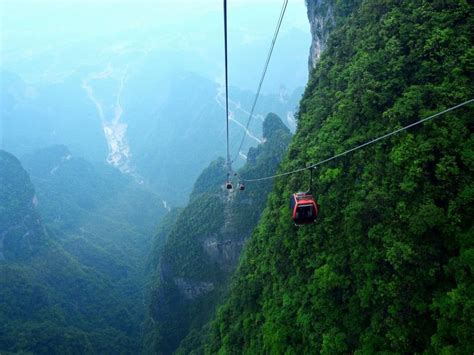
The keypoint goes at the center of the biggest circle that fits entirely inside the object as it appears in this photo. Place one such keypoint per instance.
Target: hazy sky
(39, 37)
(125, 58)
(40, 14)
(51, 38)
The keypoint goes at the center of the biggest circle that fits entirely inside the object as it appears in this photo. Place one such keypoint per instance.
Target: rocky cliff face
(323, 16)
(322, 20)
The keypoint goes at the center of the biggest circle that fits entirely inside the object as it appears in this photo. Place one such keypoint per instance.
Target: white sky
(176, 6)
(38, 34)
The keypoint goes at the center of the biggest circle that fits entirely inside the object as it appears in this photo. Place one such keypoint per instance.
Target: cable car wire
(228, 161)
(362, 145)
(265, 67)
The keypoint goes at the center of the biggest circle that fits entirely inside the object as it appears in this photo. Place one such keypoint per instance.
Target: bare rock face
(192, 289)
(225, 253)
(322, 20)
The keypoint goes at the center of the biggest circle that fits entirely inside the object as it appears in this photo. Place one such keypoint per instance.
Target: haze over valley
(318, 201)
(143, 83)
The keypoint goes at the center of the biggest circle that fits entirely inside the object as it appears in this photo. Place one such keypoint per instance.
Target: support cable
(312, 166)
(228, 161)
(265, 67)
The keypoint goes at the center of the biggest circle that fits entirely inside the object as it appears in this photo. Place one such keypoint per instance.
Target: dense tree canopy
(60, 294)
(388, 266)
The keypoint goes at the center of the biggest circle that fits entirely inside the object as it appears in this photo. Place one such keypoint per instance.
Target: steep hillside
(203, 246)
(104, 218)
(388, 266)
(191, 110)
(95, 202)
(49, 302)
(22, 233)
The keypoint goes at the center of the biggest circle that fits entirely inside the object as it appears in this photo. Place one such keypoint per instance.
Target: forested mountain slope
(22, 233)
(200, 250)
(84, 202)
(388, 267)
(50, 303)
(103, 218)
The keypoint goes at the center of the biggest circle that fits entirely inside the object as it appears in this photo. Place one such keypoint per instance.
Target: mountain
(387, 268)
(201, 250)
(39, 115)
(50, 303)
(93, 200)
(102, 217)
(141, 94)
(188, 132)
(22, 231)
(143, 118)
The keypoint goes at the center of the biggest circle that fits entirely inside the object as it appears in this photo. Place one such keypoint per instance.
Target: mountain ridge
(50, 301)
(203, 247)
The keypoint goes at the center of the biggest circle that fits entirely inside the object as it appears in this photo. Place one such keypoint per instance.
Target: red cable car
(304, 208)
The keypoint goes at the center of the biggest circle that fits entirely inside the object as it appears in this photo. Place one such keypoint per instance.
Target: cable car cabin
(304, 208)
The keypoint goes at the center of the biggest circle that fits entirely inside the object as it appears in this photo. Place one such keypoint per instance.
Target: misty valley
(236, 177)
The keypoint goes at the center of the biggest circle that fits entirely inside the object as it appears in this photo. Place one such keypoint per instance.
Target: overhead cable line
(363, 145)
(265, 67)
(228, 161)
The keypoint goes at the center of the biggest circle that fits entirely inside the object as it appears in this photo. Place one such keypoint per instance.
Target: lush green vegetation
(202, 247)
(389, 265)
(94, 201)
(73, 281)
(387, 268)
(17, 240)
(50, 303)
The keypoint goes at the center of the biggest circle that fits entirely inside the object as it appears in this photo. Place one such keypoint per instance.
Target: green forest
(45, 293)
(389, 265)
(93, 260)
(71, 275)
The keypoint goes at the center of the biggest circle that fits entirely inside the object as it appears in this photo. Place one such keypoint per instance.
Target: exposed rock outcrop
(192, 289)
(322, 20)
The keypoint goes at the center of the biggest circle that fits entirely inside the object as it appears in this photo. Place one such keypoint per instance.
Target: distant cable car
(228, 184)
(303, 206)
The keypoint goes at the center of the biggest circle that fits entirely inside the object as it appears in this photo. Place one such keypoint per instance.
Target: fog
(136, 84)
(45, 40)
